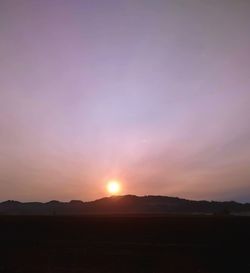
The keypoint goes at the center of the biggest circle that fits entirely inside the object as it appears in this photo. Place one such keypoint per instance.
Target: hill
(128, 204)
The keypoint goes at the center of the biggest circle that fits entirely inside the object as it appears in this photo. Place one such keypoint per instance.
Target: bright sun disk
(113, 187)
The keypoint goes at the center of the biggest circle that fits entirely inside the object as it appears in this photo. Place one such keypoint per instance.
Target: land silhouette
(125, 234)
(128, 204)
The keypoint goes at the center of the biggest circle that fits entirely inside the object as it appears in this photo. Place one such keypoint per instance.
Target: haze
(152, 93)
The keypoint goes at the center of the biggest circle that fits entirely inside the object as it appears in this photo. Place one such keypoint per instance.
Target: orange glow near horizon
(113, 187)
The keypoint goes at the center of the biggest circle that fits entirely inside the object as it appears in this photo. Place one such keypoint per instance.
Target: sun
(113, 187)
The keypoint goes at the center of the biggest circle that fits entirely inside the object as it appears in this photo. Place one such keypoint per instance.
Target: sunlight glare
(113, 187)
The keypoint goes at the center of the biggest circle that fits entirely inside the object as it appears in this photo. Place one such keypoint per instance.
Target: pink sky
(154, 93)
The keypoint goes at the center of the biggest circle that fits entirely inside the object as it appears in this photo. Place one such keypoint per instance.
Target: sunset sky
(155, 94)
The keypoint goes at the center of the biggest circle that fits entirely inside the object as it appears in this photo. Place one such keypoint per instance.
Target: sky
(155, 94)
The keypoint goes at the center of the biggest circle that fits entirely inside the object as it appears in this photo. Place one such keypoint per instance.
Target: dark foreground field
(124, 244)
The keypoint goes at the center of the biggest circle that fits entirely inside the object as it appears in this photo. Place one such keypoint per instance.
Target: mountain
(128, 204)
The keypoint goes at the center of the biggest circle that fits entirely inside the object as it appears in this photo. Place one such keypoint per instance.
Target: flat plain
(124, 244)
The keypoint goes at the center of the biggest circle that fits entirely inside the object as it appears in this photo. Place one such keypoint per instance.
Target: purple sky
(154, 93)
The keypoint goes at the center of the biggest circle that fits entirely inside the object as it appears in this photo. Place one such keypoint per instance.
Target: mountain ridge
(124, 204)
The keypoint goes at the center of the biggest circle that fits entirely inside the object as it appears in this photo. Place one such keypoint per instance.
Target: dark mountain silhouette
(128, 204)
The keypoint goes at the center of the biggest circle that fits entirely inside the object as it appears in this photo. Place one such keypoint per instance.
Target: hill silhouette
(127, 204)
